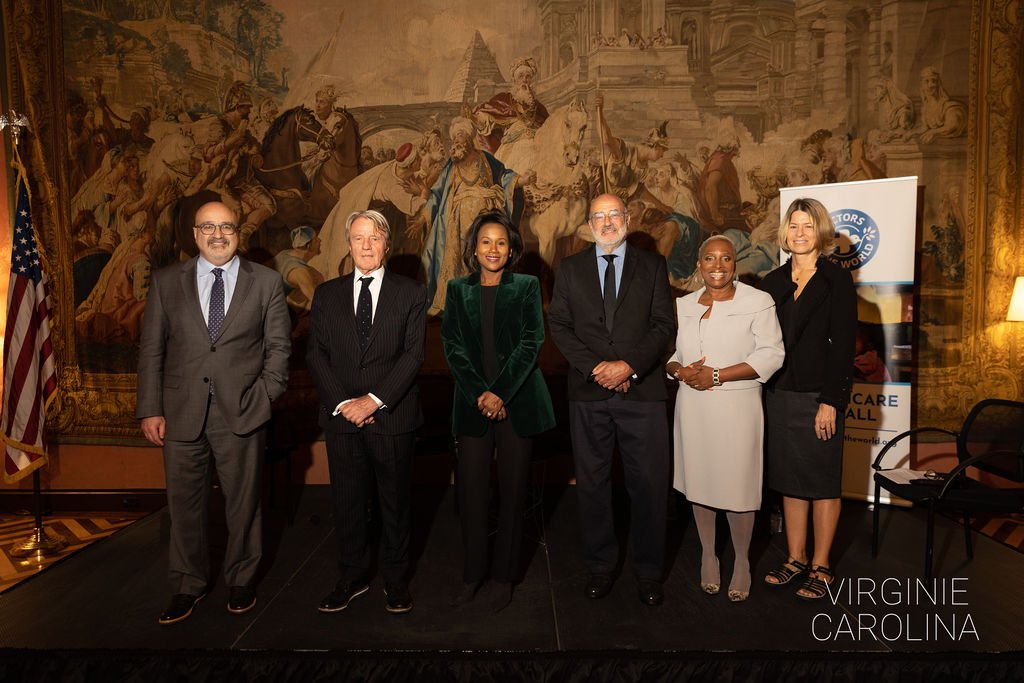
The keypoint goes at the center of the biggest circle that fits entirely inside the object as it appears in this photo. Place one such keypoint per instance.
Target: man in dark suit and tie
(212, 357)
(365, 349)
(611, 317)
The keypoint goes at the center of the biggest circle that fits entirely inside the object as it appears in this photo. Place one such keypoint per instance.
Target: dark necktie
(216, 315)
(364, 312)
(609, 291)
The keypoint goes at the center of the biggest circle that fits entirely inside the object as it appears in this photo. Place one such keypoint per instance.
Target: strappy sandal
(815, 585)
(786, 573)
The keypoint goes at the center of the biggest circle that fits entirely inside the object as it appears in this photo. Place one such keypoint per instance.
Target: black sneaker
(397, 598)
(179, 607)
(342, 594)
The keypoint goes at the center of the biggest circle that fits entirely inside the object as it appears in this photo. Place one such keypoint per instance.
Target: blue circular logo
(857, 238)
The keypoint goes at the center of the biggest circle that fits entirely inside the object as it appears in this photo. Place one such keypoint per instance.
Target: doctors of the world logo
(857, 238)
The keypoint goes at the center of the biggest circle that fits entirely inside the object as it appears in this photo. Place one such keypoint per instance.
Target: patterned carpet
(1008, 530)
(79, 529)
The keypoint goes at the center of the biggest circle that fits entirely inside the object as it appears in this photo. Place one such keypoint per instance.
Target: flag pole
(39, 543)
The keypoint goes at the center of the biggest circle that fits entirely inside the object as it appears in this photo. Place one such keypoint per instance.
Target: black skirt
(800, 464)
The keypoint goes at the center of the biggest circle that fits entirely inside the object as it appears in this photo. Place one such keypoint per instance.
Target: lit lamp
(1016, 311)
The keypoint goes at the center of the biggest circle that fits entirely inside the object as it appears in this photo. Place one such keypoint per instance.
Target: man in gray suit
(213, 356)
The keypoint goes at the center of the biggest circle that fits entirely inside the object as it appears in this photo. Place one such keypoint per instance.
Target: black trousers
(188, 468)
(641, 429)
(355, 460)
(474, 486)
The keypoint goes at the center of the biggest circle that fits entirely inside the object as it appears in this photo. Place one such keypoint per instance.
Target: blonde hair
(824, 228)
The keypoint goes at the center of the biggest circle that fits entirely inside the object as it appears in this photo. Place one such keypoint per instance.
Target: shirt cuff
(380, 404)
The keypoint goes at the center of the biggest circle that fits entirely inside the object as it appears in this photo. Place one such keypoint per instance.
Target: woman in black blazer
(492, 331)
(806, 400)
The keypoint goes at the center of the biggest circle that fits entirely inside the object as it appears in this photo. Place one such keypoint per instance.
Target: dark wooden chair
(991, 439)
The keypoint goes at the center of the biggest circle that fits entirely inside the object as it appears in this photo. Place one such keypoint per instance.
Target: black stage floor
(108, 596)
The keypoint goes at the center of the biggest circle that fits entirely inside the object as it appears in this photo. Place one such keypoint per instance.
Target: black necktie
(364, 312)
(609, 291)
(216, 315)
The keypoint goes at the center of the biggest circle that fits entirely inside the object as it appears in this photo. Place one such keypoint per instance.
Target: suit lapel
(815, 291)
(243, 284)
(503, 303)
(628, 268)
(190, 293)
(591, 281)
(346, 307)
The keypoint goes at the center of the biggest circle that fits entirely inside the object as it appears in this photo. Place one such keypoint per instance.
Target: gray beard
(523, 96)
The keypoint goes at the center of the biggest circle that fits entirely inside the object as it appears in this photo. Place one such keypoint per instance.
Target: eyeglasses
(615, 216)
(210, 228)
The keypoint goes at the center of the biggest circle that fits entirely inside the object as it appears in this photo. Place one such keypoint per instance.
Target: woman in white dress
(728, 344)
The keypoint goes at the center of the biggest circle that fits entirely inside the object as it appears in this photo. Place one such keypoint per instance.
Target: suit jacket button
(206, 379)
(362, 367)
(213, 348)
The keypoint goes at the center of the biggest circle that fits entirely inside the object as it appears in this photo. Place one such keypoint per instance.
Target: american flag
(29, 380)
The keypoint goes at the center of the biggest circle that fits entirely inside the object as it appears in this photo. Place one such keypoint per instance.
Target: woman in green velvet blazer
(492, 331)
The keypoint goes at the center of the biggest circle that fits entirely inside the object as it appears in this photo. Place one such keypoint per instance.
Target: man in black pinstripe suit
(365, 349)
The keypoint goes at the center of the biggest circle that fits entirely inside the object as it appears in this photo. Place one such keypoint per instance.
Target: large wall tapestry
(297, 113)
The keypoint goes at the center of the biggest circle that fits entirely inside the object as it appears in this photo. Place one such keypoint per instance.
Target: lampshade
(1016, 311)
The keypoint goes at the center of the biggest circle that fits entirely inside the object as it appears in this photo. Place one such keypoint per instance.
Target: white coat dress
(718, 434)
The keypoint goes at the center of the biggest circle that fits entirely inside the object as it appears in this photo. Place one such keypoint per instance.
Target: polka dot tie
(216, 315)
(364, 312)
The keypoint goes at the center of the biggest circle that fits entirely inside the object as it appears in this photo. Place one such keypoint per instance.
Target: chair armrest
(876, 465)
(969, 462)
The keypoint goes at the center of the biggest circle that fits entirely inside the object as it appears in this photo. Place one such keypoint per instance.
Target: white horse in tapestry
(556, 206)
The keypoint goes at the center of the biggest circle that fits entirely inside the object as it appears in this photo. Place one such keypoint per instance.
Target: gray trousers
(188, 466)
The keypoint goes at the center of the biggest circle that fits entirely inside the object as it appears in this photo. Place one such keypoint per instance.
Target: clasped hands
(613, 375)
(359, 411)
(491, 406)
(696, 375)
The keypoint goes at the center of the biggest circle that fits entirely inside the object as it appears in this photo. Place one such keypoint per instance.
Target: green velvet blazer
(518, 335)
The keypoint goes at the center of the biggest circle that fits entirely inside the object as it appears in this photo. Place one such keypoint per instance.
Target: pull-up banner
(875, 225)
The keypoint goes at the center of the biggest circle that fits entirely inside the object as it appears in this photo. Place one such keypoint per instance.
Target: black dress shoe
(342, 594)
(179, 607)
(467, 591)
(500, 596)
(397, 599)
(241, 600)
(650, 592)
(598, 586)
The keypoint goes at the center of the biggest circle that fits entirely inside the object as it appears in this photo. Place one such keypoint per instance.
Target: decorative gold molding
(87, 404)
(991, 364)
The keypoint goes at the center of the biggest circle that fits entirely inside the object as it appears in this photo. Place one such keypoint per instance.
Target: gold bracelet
(715, 378)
